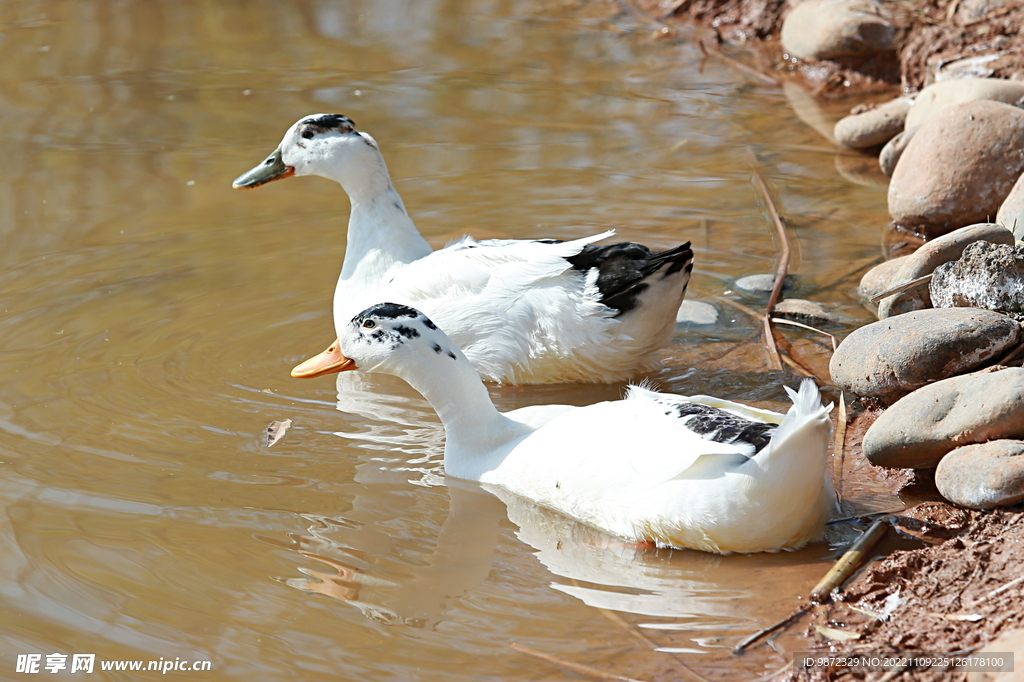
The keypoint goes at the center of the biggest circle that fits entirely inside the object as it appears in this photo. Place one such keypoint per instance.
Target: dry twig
(570, 665)
(783, 269)
(901, 288)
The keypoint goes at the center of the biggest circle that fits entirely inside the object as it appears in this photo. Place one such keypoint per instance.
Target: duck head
(327, 145)
(383, 338)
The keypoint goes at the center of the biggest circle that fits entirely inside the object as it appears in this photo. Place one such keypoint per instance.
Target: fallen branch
(569, 665)
(849, 562)
(785, 622)
(783, 269)
(835, 577)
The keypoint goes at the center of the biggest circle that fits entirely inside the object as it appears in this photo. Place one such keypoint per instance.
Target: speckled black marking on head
(331, 122)
(387, 311)
(428, 324)
(437, 348)
(407, 332)
(451, 355)
(714, 424)
(622, 269)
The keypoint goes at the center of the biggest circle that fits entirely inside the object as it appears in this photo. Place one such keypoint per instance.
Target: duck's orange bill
(329, 362)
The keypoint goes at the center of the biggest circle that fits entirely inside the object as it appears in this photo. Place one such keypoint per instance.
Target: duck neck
(380, 232)
(477, 436)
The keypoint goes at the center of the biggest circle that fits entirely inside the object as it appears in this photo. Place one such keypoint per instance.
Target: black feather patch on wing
(622, 269)
(714, 424)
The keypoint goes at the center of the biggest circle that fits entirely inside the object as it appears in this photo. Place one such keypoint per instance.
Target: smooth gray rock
(918, 430)
(827, 29)
(931, 255)
(761, 284)
(1011, 211)
(983, 476)
(893, 150)
(696, 313)
(947, 93)
(873, 127)
(959, 167)
(877, 279)
(989, 276)
(890, 358)
(807, 312)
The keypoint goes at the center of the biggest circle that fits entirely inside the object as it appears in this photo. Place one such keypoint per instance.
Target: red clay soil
(929, 34)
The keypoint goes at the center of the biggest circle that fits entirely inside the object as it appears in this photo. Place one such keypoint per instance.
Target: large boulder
(831, 29)
(959, 167)
(890, 358)
(918, 430)
(931, 255)
(983, 476)
(947, 93)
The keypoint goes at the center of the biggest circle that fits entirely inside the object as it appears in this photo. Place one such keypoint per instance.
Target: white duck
(692, 472)
(523, 311)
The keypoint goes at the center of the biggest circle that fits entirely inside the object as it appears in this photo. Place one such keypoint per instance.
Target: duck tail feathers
(806, 407)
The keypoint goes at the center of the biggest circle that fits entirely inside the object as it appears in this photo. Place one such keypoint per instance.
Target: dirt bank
(971, 37)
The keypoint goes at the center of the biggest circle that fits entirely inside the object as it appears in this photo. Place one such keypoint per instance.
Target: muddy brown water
(150, 315)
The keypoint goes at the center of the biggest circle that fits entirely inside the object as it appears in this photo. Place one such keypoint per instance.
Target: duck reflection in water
(691, 590)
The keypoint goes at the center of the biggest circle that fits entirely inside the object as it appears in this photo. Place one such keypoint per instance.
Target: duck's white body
(523, 311)
(638, 468)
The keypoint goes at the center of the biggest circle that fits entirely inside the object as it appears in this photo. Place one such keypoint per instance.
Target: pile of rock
(955, 153)
(969, 426)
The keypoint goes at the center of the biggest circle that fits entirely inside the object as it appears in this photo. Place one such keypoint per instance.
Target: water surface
(150, 315)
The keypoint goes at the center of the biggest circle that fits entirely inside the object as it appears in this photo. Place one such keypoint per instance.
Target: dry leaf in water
(275, 431)
(840, 635)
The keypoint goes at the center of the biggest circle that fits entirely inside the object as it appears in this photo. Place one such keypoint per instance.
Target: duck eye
(308, 134)
(369, 324)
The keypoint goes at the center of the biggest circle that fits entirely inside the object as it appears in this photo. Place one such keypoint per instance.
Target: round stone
(983, 476)
(958, 168)
(827, 29)
(886, 360)
(947, 93)
(696, 313)
(918, 430)
(873, 127)
(761, 284)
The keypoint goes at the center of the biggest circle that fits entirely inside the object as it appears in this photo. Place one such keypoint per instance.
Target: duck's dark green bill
(268, 171)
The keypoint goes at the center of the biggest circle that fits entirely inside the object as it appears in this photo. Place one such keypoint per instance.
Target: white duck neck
(380, 232)
(477, 436)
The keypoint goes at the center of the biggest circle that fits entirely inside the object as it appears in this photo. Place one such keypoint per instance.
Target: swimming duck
(675, 471)
(523, 311)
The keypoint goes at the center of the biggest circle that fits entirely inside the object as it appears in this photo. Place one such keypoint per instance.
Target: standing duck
(523, 311)
(674, 471)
